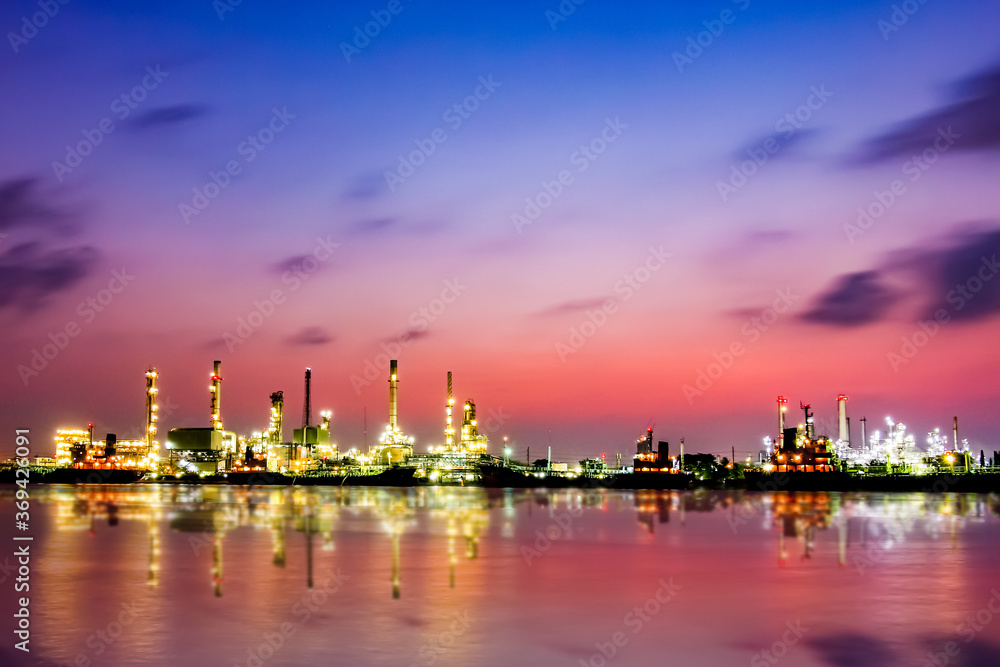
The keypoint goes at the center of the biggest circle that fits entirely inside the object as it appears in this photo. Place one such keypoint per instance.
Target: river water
(230, 576)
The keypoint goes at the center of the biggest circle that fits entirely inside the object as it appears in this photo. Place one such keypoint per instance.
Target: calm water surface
(223, 576)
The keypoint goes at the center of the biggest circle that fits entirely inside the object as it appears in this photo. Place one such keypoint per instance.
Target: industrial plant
(210, 452)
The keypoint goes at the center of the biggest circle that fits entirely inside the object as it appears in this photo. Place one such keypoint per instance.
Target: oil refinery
(211, 450)
(801, 455)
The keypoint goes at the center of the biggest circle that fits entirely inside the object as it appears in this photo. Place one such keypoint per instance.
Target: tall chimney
(307, 410)
(782, 406)
(151, 408)
(845, 433)
(449, 430)
(217, 396)
(955, 447)
(393, 382)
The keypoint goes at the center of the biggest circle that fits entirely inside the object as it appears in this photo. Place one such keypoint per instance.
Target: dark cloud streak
(963, 278)
(21, 206)
(311, 336)
(31, 270)
(570, 307)
(29, 274)
(855, 300)
(170, 115)
(973, 115)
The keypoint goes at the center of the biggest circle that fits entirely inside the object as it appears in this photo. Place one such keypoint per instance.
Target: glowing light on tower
(449, 430)
(393, 437)
(216, 390)
(782, 408)
(151, 408)
(845, 434)
(274, 434)
(393, 386)
(307, 409)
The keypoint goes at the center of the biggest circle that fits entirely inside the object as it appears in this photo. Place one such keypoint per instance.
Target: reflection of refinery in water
(868, 526)
(208, 513)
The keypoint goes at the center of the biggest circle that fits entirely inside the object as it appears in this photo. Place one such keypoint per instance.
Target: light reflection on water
(216, 575)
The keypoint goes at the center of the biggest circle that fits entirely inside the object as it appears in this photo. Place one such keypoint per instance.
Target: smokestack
(864, 433)
(393, 384)
(307, 410)
(151, 409)
(217, 396)
(449, 430)
(845, 432)
(955, 447)
(782, 403)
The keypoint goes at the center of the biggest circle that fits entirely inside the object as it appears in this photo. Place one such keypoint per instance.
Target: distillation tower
(151, 444)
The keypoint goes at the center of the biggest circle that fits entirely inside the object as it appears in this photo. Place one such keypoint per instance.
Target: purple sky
(650, 234)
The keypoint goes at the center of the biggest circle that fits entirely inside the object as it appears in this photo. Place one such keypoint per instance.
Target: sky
(601, 217)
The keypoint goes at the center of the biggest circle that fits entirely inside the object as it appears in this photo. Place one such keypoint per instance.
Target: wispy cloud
(312, 335)
(855, 299)
(570, 307)
(972, 114)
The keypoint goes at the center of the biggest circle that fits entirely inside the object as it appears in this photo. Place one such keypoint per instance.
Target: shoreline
(403, 477)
